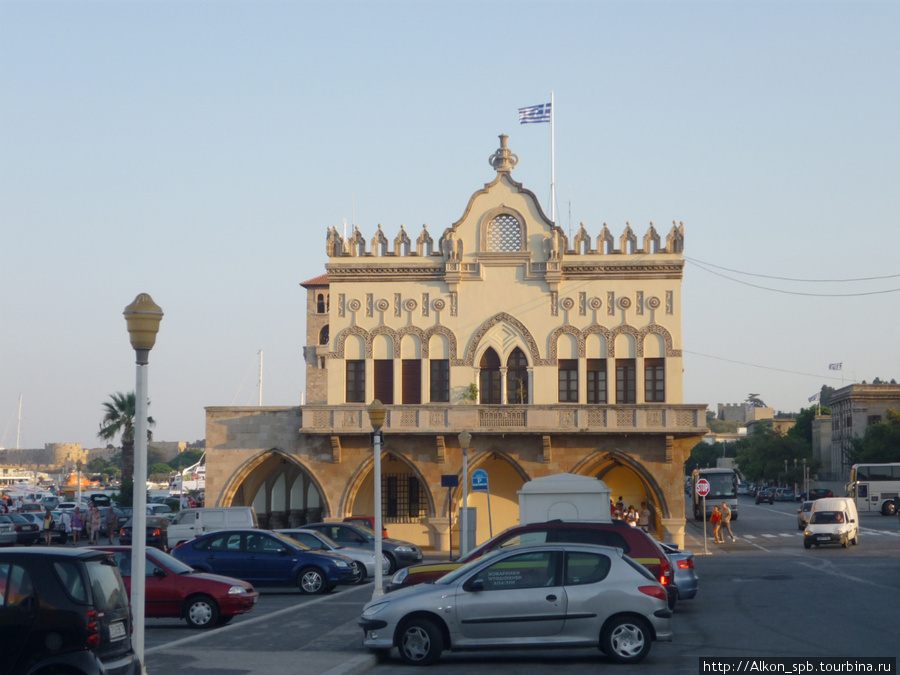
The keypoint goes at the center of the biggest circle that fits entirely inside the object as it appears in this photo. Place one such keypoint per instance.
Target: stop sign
(702, 487)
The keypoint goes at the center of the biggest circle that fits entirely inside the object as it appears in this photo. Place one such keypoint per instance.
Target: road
(763, 596)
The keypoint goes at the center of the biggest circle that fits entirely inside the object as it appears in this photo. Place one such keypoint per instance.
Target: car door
(271, 560)
(224, 556)
(517, 597)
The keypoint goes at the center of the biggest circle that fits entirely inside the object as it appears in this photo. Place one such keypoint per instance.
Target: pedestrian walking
(726, 522)
(716, 520)
(95, 524)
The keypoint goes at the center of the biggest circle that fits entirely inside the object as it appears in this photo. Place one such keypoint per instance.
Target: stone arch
(624, 329)
(567, 329)
(655, 328)
(451, 339)
(338, 353)
(234, 484)
(488, 221)
(503, 317)
(388, 332)
(411, 335)
(363, 473)
(600, 463)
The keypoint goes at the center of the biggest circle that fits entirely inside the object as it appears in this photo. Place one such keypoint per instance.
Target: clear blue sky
(197, 151)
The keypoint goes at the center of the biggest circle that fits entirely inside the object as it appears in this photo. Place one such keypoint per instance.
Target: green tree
(118, 420)
(768, 456)
(803, 427)
(881, 442)
(705, 454)
(159, 469)
(185, 459)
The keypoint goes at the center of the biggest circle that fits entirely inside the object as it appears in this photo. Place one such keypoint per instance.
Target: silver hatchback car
(547, 596)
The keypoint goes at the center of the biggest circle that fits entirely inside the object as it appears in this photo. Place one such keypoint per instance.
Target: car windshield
(465, 569)
(172, 564)
(827, 517)
(289, 541)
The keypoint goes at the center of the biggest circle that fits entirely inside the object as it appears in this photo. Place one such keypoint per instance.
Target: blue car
(266, 559)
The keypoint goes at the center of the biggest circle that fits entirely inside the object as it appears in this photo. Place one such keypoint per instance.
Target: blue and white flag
(815, 398)
(835, 366)
(535, 113)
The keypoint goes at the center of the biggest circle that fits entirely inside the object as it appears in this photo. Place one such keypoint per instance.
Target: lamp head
(464, 439)
(143, 317)
(377, 413)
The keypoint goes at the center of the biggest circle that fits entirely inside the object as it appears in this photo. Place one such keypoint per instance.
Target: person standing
(110, 523)
(716, 520)
(48, 527)
(644, 517)
(77, 526)
(631, 516)
(726, 522)
(95, 524)
(65, 527)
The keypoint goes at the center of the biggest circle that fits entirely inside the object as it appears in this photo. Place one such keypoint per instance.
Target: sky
(198, 152)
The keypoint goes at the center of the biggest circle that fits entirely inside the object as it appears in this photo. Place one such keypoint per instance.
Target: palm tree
(119, 419)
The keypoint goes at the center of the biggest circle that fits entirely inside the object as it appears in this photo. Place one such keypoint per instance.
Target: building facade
(854, 409)
(557, 355)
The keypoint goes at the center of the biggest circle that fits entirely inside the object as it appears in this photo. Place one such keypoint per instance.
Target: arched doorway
(505, 479)
(281, 491)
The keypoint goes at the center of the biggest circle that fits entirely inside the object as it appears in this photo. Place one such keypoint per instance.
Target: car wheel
(420, 642)
(359, 572)
(806, 544)
(845, 541)
(391, 563)
(201, 612)
(311, 581)
(855, 540)
(626, 639)
(888, 509)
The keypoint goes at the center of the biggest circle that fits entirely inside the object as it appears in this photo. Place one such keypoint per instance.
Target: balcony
(440, 419)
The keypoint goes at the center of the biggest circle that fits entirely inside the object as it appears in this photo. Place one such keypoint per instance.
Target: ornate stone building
(557, 355)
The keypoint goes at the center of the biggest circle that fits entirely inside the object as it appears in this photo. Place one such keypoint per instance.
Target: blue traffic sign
(479, 481)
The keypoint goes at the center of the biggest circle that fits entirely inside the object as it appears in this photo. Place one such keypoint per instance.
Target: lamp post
(377, 413)
(464, 439)
(78, 466)
(143, 317)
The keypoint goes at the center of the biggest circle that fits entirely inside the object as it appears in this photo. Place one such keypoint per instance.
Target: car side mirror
(282, 551)
(159, 573)
(475, 585)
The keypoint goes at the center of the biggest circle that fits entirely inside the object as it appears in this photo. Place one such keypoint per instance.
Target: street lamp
(377, 413)
(143, 317)
(464, 439)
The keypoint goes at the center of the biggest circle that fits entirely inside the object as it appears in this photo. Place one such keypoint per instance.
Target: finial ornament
(503, 160)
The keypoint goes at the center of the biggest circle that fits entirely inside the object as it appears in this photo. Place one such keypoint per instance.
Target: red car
(367, 522)
(175, 590)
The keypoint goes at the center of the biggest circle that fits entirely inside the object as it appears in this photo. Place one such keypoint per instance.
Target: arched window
(323, 335)
(504, 234)
(321, 304)
(490, 377)
(517, 377)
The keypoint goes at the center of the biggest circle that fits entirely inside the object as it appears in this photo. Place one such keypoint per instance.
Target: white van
(190, 523)
(833, 520)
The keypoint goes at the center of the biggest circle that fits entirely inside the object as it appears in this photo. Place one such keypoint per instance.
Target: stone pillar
(673, 531)
(440, 538)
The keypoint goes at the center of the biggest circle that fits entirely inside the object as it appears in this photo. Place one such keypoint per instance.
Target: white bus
(875, 487)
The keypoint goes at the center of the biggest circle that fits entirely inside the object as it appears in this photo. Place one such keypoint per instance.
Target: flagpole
(552, 160)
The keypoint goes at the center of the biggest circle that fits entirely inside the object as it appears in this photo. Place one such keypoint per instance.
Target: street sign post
(703, 490)
(480, 484)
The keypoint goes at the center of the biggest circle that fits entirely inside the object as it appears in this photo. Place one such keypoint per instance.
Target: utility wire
(756, 365)
(767, 276)
(779, 290)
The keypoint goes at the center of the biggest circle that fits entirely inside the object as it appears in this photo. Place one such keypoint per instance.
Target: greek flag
(815, 398)
(835, 366)
(535, 113)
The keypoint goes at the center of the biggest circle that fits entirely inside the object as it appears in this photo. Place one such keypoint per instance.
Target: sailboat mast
(260, 376)
(19, 424)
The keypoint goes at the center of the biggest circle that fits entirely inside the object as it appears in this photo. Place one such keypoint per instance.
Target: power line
(779, 290)
(756, 365)
(768, 276)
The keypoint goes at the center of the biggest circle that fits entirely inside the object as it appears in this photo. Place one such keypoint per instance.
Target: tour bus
(723, 487)
(875, 487)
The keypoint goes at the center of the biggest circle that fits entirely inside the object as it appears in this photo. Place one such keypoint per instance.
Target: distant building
(743, 413)
(854, 409)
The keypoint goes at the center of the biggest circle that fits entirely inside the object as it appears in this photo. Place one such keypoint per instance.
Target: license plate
(116, 631)
(822, 538)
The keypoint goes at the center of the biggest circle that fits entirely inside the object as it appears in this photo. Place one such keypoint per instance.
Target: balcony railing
(684, 419)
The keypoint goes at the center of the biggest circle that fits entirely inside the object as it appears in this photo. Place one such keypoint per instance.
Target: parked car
(100, 500)
(8, 534)
(174, 590)
(784, 494)
(367, 522)
(159, 510)
(567, 595)
(64, 610)
(266, 559)
(156, 528)
(27, 532)
(363, 559)
(803, 514)
(632, 540)
(815, 493)
(686, 580)
(765, 496)
(32, 507)
(398, 553)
